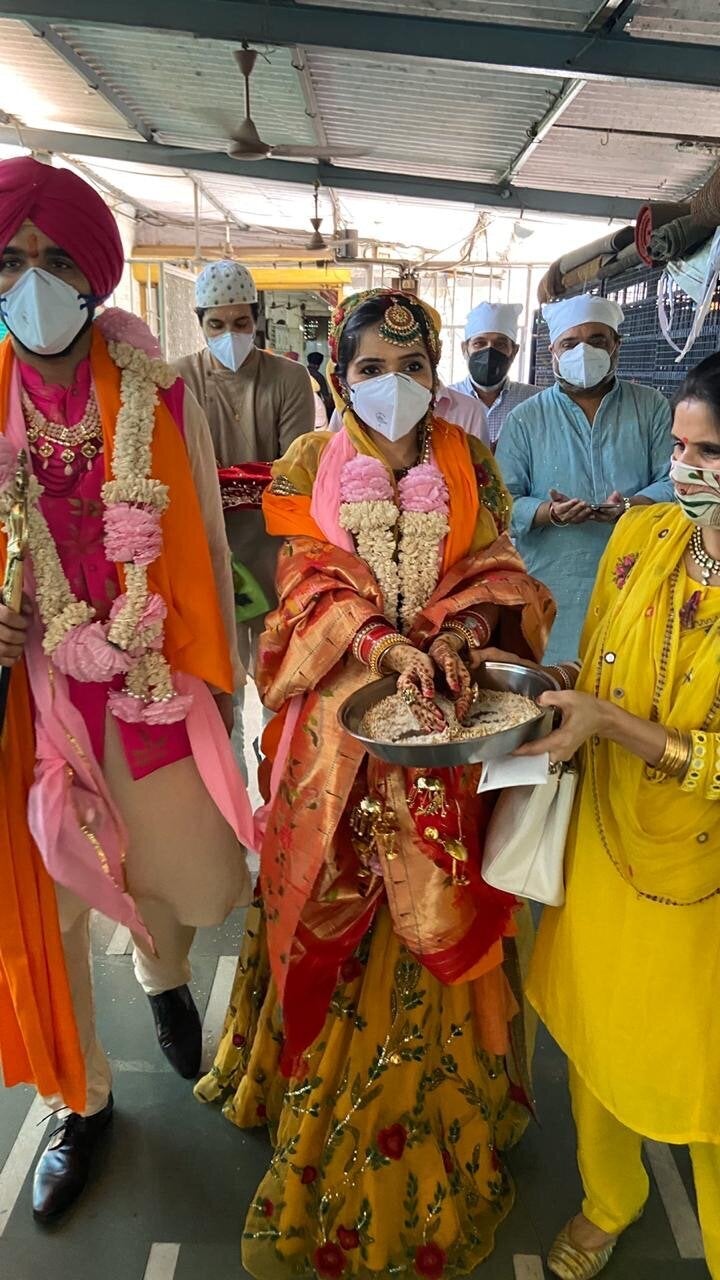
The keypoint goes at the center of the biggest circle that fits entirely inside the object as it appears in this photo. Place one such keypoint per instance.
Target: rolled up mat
(551, 285)
(584, 274)
(705, 205)
(623, 262)
(678, 238)
(608, 246)
(650, 218)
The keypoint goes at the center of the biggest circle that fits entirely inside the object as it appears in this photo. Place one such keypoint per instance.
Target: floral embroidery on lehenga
(388, 1147)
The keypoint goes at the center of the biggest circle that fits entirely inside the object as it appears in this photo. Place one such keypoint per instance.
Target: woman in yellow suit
(626, 974)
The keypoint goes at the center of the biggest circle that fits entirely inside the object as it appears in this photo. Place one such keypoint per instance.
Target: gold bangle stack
(380, 649)
(677, 755)
(459, 629)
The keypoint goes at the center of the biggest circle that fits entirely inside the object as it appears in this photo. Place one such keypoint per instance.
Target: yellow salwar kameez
(626, 974)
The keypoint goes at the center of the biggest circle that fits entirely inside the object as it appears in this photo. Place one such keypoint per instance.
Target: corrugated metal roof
(644, 168)
(661, 109)
(428, 117)
(191, 91)
(568, 14)
(696, 21)
(42, 91)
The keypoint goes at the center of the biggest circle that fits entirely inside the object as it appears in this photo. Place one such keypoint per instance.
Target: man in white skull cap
(490, 348)
(256, 404)
(578, 456)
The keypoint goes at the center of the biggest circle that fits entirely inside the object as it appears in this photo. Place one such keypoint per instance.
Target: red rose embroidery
(309, 1175)
(448, 1162)
(239, 1042)
(268, 1208)
(430, 1262)
(391, 1142)
(261, 1112)
(623, 569)
(349, 1238)
(350, 969)
(329, 1261)
(482, 475)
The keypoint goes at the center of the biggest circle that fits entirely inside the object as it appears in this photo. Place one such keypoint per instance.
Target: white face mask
(702, 506)
(232, 349)
(392, 404)
(584, 366)
(44, 314)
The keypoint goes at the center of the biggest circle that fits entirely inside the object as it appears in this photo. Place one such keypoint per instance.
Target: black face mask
(489, 367)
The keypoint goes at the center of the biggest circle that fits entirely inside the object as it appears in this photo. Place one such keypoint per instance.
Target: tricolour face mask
(392, 404)
(701, 505)
(584, 366)
(232, 349)
(44, 313)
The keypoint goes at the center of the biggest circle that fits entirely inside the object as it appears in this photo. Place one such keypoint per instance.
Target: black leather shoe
(63, 1168)
(179, 1030)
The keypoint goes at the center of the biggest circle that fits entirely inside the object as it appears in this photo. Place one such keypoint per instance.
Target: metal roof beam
(92, 78)
(534, 50)
(413, 186)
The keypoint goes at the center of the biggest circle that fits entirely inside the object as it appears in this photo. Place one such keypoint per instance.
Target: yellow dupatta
(663, 841)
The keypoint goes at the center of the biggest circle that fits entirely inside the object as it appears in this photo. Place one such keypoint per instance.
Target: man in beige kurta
(256, 404)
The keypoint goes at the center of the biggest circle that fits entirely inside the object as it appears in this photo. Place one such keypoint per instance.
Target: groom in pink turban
(69, 212)
(138, 813)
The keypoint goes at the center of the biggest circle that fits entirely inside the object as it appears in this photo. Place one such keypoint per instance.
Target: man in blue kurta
(576, 457)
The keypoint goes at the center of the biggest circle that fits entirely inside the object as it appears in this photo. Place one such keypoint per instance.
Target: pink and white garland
(130, 643)
(400, 542)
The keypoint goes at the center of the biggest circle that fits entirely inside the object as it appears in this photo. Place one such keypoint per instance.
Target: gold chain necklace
(43, 436)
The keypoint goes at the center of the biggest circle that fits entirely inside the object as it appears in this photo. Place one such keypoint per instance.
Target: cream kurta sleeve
(202, 463)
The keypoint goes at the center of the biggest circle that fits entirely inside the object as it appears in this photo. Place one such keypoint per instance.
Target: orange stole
(38, 1036)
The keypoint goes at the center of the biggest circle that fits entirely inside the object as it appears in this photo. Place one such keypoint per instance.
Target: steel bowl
(504, 676)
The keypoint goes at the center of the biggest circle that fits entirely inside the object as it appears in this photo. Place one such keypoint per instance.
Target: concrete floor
(174, 1178)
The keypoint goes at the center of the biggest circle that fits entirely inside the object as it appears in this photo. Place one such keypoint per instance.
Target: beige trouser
(614, 1178)
(170, 968)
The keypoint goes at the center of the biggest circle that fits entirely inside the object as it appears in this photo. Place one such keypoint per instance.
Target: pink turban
(66, 209)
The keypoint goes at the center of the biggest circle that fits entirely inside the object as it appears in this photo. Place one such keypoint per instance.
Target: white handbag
(525, 841)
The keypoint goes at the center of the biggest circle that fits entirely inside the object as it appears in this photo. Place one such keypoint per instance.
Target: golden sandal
(570, 1261)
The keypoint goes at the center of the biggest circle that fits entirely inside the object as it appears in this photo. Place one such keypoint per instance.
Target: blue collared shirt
(512, 394)
(548, 443)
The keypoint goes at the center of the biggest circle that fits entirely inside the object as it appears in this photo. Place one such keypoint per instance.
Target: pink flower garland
(424, 489)
(365, 479)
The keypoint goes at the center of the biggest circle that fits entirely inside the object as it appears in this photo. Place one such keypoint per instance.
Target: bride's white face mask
(391, 404)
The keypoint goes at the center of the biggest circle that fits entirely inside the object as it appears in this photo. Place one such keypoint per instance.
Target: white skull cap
(224, 284)
(585, 309)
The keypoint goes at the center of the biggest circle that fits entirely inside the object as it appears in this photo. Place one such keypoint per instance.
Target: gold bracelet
(380, 649)
(459, 629)
(677, 755)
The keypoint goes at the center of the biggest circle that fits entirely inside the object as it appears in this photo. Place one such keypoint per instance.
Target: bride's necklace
(425, 443)
(44, 436)
(708, 566)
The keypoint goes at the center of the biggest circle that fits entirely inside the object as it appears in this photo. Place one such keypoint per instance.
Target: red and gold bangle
(370, 632)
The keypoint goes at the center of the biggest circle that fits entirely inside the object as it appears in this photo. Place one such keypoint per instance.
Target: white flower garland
(373, 524)
(68, 622)
(419, 560)
(406, 567)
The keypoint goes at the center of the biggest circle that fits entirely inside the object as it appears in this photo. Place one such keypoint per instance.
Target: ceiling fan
(247, 144)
